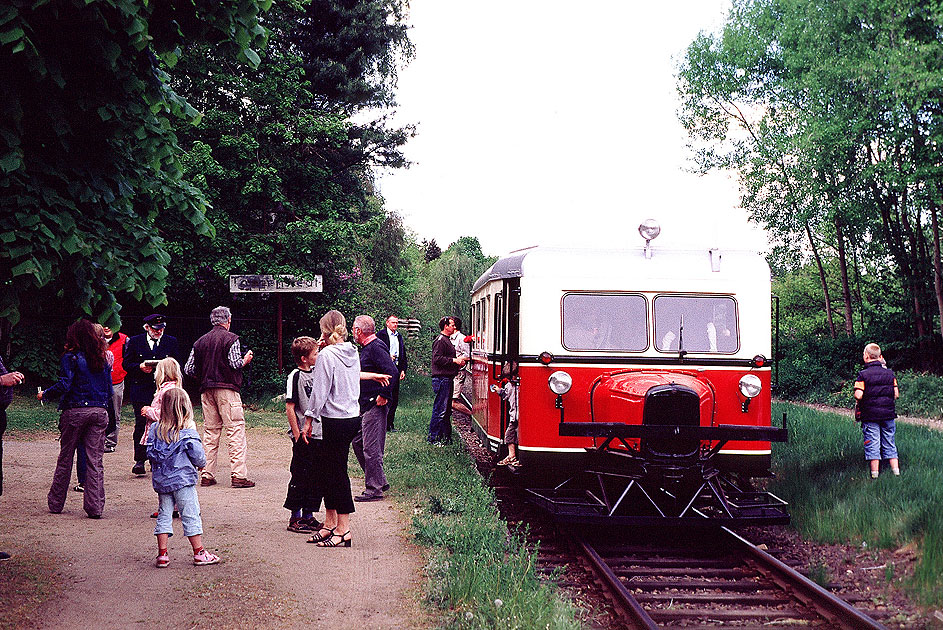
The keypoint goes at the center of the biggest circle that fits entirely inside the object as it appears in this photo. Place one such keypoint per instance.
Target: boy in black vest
(876, 390)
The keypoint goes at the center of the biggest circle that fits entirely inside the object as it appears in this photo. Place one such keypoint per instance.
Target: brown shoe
(206, 480)
(239, 482)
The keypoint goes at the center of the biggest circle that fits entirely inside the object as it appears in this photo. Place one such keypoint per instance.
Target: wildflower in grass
(498, 603)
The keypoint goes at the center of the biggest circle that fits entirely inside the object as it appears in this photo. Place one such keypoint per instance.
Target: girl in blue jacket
(176, 455)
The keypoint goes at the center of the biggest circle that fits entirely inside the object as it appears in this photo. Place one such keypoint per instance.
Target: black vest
(211, 360)
(877, 403)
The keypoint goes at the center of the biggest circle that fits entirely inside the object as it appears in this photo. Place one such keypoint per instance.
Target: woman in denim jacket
(86, 390)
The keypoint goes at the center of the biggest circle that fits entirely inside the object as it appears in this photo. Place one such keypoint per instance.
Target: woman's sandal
(329, 542)
(318, 538)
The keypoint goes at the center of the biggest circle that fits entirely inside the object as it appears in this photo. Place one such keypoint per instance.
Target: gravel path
(100, 573)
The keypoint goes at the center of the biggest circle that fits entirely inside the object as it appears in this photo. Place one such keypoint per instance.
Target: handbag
(857, 412)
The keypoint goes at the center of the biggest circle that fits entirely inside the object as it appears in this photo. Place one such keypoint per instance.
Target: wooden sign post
(278, 285)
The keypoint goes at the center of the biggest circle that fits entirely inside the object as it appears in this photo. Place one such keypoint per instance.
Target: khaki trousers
(223, 408)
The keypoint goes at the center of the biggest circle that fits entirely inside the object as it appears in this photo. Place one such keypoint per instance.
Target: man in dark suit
(397, 345)
(140, 353)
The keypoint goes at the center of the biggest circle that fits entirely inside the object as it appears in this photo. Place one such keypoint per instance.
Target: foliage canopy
(88, 155)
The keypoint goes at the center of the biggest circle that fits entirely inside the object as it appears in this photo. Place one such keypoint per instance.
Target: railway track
(669, 579)
(713, 579)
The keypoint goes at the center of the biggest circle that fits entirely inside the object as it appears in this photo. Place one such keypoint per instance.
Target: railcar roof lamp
(649, 229)
(560, 382)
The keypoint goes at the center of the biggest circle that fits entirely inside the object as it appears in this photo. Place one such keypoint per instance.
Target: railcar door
(507, 317)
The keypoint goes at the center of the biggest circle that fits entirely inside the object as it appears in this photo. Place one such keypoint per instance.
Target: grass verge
(479, 575)
(821, 471)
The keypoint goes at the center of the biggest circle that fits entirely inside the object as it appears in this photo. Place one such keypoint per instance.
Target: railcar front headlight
(560, 382)
(750, 385)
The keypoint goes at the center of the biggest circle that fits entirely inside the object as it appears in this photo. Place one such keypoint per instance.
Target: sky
(543, 124)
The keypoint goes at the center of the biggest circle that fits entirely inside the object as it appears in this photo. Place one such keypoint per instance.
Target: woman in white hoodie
(334, 417)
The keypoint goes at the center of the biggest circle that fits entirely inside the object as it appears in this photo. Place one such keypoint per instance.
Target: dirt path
(924, 422)
(102, 571)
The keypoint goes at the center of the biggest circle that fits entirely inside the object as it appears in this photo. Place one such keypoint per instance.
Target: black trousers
(394, 401)
(338, 434)
(304, 488)
(3, 428)
(140, 451)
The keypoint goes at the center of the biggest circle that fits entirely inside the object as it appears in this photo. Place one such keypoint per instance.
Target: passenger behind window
(583, 332)
(719, 336)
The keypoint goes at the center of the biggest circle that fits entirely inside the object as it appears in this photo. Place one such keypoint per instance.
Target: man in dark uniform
(397, 345)
(141, 353)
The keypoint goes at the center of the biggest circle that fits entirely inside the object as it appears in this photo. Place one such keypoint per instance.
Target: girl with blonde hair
(176, 455)
(167, 376)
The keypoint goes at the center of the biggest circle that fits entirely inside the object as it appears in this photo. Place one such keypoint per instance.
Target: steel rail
(833, 608)
(836, 612)
(625, 600)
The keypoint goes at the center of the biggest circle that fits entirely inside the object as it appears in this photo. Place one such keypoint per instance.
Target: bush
(823, 370)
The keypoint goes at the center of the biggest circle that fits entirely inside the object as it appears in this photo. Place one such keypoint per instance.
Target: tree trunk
(937, 267)
(858, 295)
(818, 262)
(845, 287)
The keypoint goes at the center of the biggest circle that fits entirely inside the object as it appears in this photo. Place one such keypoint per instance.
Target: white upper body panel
(560, 287)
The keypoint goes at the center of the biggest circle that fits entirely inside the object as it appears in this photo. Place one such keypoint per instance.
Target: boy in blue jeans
(304, 497)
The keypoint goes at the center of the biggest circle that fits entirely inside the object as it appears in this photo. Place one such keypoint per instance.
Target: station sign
(275, 284)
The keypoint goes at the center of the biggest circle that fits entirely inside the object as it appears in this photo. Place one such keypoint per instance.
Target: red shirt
(117, 347)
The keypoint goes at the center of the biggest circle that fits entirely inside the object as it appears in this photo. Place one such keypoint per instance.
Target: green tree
(828, 110)
(287, 170)
(89, 162)
(444, 288)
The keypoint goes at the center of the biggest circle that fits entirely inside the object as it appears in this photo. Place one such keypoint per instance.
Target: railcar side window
(605, 322)
(696, 324)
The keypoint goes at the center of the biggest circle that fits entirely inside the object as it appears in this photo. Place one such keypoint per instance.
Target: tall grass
(479, 575)
(822, 472)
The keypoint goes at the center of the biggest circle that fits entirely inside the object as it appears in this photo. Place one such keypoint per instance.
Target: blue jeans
(189, 506)
(879, 439)
(440, 428)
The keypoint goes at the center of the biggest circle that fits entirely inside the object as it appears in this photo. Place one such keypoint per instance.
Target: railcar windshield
(696, 324)
(593, 321)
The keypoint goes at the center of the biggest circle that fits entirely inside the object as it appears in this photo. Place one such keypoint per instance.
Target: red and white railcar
(623, 327)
